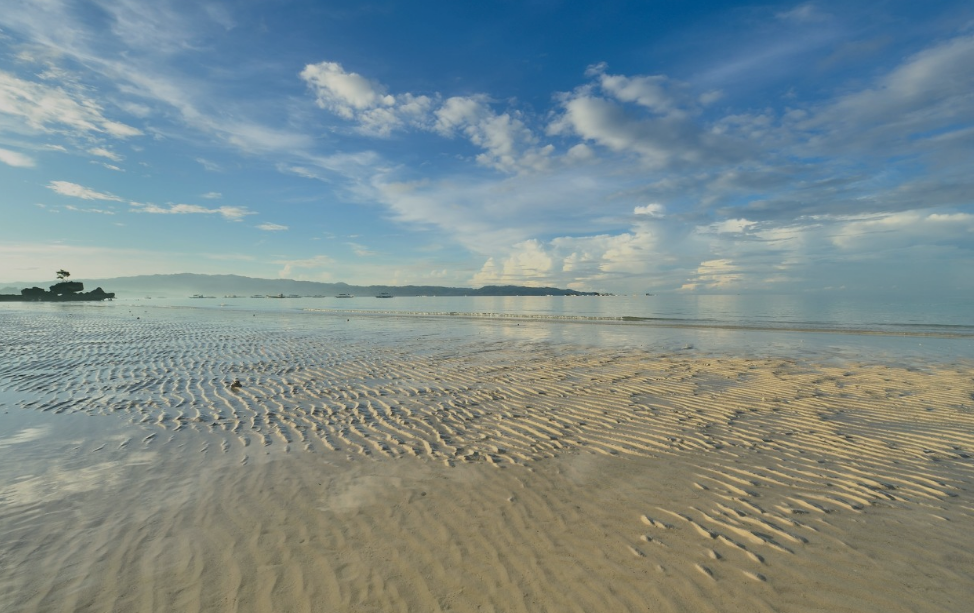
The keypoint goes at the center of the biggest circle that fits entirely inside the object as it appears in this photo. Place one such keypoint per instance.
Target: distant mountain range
(220, 285)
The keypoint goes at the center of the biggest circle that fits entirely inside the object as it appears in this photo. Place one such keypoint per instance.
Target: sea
(901, 330)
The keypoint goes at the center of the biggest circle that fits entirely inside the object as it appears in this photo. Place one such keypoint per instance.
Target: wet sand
(347, 473)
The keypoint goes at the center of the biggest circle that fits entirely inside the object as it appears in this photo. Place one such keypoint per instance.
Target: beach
(385, 464)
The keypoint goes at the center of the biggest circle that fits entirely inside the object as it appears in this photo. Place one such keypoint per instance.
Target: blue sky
(614, 146)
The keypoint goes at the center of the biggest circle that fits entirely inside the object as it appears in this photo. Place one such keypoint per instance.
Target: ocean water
(904, 330)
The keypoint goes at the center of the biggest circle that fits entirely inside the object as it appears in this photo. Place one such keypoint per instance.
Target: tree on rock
(63, 274)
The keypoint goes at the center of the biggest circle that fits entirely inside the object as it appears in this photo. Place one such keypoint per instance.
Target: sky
(613, 146)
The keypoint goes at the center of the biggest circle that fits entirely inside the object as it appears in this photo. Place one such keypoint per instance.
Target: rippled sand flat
(354, 472)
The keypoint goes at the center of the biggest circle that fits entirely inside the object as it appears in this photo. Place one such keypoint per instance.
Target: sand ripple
(633, 477)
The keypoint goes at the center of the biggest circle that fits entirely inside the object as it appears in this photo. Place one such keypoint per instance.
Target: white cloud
(906, 229)
(652, 210)
(342, 92)
(528, 264)
(66, 188)
(927, 95)
(133, 46)
(508, 144)
(71, 207)
(658, 93)
(668, 136)
(49, 109)
(212, 195)
(271, 227)
(230, 213)
(105, 153)
(654, 253)
(15, 159)
(580, 153)
(735, 226)
(713, 275)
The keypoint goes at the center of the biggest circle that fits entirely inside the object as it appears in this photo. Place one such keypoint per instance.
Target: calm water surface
(900, 330)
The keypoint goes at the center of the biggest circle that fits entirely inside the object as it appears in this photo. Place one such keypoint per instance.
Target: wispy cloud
(361, 250)
(105, 153)
(66, 188)
(71, 207)
(271, 227)
(230, 213)
(136, 48)
(45, 108)
(209, 165)
(15, 159)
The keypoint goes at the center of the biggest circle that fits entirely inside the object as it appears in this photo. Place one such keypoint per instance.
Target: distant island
(65, 291)
(187, 284)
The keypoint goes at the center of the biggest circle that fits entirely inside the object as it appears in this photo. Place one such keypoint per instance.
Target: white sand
(361, 476)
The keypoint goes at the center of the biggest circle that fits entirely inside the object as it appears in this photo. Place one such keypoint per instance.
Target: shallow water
(820, 328)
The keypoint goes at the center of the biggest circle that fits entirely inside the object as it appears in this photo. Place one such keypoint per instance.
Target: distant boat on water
(344, 296)
(384, 295)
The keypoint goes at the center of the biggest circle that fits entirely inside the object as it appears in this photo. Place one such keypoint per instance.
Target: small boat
(277, 296)
(384, 295)
(344, 296)
(197, 296)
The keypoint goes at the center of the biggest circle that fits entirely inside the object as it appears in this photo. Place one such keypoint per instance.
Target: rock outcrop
(66, 291)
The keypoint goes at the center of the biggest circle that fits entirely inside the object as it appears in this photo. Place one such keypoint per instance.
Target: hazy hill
(187, 284)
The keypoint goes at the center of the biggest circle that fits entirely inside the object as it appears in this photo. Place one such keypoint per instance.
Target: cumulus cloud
(717, 201)
(15, 159)
(507, 143)
(66, 188)
(354, 97)
(528, 264)
(652, 248)
(658, 93)
(714, 275)
(343, 92)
